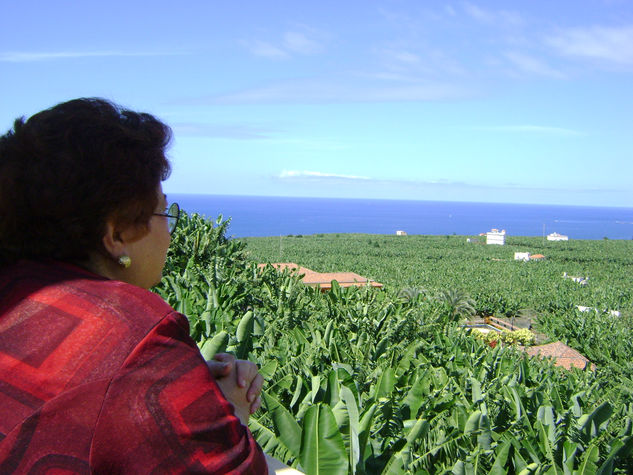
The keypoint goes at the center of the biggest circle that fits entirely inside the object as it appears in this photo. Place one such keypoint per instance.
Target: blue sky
(522, 102)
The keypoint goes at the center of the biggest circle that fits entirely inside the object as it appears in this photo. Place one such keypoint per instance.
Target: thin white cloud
(300, 43)
(478, 13)
(419, 60)
(313, 144)
(306, 42)
(538, 129)
(390, 76)
(30, 56)
(406, 57)
(611, 44)
(265, 50)
(221, 131)
(328, 91)
(492, 17)
(293, 174)
(531, 65)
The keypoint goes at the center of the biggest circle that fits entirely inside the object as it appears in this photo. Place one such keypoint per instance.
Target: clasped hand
(240, 382)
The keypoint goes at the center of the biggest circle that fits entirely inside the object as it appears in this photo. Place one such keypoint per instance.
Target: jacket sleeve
(164, 413)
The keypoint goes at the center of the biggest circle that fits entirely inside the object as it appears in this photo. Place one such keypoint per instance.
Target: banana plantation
(367, 381)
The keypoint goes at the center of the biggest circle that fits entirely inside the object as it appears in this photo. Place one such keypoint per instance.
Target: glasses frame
(173, 215)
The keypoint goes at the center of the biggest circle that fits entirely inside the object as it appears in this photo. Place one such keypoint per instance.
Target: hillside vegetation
(367, 381)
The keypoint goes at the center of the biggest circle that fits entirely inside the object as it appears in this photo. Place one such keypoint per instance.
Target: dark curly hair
(68, 169)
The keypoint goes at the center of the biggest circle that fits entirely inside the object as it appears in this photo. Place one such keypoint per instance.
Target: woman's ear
(112, 240)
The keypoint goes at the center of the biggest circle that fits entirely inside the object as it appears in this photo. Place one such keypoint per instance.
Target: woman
(97, 374)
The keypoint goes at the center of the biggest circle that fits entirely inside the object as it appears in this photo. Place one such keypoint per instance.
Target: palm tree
(459, 303)
(411, 294)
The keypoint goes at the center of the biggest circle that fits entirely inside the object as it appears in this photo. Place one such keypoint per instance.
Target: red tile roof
(563, 355)
(324, 279)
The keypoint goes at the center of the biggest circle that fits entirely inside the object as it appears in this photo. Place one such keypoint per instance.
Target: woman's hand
(239, 381)
(246, 374)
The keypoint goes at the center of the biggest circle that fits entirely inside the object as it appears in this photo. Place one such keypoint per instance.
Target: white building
(557, 237)
(495, 236)
(613, 313)
(522, 256)
(401, 233)
(578, 280)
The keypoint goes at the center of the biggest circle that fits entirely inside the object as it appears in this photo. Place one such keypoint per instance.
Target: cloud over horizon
(324, 178)
(343, 91)
(539, 129)
(294, 174)
(223, 131)
(33, 56)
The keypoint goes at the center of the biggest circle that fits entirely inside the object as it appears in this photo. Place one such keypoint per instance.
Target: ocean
(275, 216)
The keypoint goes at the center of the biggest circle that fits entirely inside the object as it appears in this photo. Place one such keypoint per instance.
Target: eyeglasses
(172, 214)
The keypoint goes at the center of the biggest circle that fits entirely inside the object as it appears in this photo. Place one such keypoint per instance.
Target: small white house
(522, 256)
(401, 233)
(578, 280)
(495, 236)
(613, 313)
(557, 237)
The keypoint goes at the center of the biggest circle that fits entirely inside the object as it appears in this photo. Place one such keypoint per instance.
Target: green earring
(125, 261)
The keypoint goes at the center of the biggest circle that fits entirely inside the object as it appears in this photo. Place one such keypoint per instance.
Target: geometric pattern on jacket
(100, 376)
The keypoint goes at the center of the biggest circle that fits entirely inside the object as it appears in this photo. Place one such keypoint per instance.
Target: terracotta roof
(344, 279)
(563, 355)
(324, 279)
(340, 277)
(537, 256)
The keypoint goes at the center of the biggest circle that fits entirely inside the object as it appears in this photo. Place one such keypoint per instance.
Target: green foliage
(497, 283)
(366, 381)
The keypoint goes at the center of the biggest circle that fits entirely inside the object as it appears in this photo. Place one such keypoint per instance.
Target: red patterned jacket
(99, 376)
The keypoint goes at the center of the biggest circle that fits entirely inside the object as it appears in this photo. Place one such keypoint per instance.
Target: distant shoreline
(482, 239)
(274, 216)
